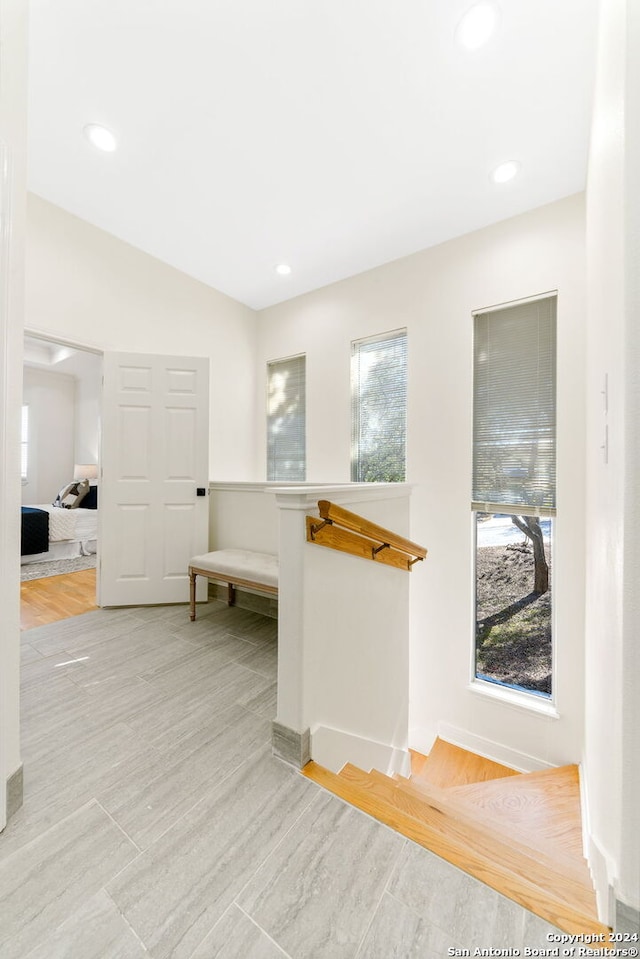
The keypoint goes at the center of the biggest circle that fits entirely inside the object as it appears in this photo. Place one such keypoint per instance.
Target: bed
(53, 532)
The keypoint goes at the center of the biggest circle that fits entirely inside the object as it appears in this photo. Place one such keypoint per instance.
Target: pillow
(71, 495)
(90, 501)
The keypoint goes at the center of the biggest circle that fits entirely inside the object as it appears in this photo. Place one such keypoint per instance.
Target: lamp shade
(85, 471)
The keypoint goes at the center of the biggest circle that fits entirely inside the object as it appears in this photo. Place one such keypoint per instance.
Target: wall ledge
(247, 486)
(306, 497)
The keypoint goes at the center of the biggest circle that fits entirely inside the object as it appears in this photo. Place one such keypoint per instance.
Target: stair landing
(520, 833)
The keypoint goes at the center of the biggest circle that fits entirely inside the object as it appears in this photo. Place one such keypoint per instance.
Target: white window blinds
(514, 409)
(379, 408)
(286, 430)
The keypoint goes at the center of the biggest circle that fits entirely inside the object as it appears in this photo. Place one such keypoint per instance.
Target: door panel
(154, 456)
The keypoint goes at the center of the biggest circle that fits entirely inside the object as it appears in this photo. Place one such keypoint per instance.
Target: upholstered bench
(236, 567)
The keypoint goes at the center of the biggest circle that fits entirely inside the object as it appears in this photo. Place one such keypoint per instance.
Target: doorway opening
(60, 448)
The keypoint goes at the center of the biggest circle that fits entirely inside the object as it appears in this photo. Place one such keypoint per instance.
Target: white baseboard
(332, 748)
(422, 738)
(490, 749)
(597, 862)
(600, 866)
(601, 874)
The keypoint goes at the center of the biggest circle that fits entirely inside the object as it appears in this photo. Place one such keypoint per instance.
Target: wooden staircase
(519, 833)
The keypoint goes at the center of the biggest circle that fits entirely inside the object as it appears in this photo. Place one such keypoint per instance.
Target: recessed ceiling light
(477, 25)
(506, 171)
(100, 137)
(283, 269)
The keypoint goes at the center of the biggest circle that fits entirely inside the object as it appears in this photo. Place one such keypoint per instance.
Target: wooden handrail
(365, 527)
(345, 531)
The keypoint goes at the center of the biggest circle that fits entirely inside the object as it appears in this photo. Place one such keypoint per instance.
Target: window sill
(530, 703)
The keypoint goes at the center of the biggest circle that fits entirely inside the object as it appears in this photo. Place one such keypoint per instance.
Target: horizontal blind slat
(514, 410)
(286, 419)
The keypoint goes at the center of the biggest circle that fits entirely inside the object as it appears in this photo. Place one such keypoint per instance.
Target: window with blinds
(514, 495)
(286, 419)
(379, 408)
(514, 409)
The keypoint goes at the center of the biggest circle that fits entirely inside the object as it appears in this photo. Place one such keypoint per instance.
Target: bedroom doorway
(60, 446)
(140, 422)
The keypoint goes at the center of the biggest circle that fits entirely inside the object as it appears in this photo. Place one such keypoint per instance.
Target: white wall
(243, 516)
(433, 293)
(88, 287)
(343, 657)
(13, 114)
(51, 398)
(612, 509)
(628, 887)
(88, 403)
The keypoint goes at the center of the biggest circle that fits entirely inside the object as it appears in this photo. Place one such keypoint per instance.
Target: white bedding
(72, 532)
(79, 524)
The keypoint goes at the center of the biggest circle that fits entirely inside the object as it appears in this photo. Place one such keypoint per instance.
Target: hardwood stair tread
(569, 856)
(448, 765)
(417, 761)
(470, 845)
(545, 804)
(488, 833)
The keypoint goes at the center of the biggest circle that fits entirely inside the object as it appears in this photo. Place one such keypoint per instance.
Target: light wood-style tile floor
(157, 823)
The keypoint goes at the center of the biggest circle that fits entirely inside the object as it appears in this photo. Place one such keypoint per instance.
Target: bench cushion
(241, 564)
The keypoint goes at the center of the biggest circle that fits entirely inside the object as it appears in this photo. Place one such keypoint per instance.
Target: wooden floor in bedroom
(53, 598)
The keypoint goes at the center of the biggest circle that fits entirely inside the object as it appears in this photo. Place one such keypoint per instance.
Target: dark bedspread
(35, 531)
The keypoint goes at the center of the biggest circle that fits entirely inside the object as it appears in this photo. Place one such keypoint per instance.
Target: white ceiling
(332, 135)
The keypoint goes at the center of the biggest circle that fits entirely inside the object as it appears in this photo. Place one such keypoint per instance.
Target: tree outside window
(379, 408)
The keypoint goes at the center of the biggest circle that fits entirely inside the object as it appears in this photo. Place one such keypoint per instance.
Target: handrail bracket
(350, 533)
(316, 529)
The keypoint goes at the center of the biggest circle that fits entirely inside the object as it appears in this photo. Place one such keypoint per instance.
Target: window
(286, 431)
(24, 444)
(514, 492)
(379, 408)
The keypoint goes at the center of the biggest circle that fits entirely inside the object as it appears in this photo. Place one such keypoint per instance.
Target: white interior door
(154, 507)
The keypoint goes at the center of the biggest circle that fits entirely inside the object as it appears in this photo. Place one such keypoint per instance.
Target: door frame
(47, 337)
(74, 344)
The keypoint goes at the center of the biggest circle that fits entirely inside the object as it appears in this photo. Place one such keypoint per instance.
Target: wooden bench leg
(231, 596)
(192, 595)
